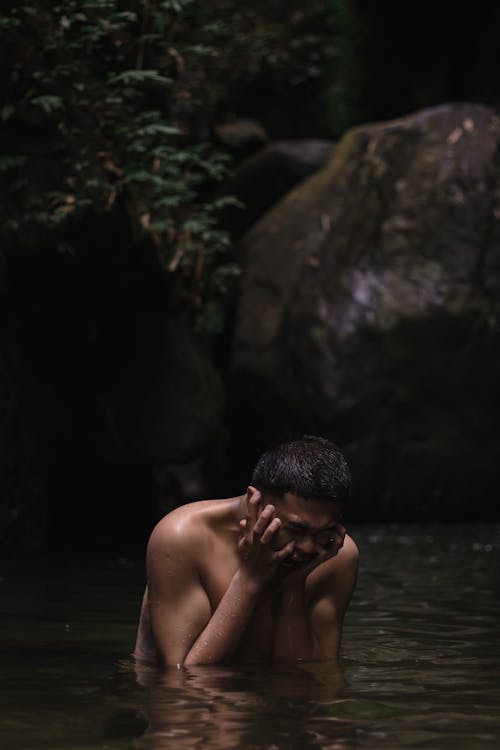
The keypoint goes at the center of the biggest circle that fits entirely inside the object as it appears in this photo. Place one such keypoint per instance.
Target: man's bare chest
(260, 630)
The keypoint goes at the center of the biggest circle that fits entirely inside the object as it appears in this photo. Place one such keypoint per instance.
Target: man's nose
(307, 545)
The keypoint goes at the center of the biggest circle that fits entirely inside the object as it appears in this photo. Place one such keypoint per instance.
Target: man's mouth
(295, 559)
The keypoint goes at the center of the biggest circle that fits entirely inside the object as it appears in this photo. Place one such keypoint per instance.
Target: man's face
(315, 526)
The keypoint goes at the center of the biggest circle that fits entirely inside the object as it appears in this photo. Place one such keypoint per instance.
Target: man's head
(310, 467)
(307, 482)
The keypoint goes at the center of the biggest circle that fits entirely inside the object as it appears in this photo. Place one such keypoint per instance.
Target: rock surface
(262, 179)
(369, 311)
(242, 137)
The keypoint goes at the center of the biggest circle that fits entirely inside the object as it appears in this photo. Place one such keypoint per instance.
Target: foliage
(97, 113)
(346, 67)
(112, 103)
(277, 53)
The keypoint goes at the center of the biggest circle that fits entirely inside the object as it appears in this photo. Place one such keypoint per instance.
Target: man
(266, 575)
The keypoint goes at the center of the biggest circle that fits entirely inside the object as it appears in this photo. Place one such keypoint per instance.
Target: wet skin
(248, 576)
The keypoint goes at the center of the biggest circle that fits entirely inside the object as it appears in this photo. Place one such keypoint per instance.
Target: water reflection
(249, 707)
(421, 660)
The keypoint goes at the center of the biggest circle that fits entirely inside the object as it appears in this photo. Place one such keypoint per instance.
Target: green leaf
(141, 175)
(195, 226)
(162, 225)
(228, 200)
(169, 201)
(48, 102)
(131, 77)
(11, 162)
(65, 248)
(9, 23)
(7, 111)
(175, 5)
(155, 129)
(201, 49)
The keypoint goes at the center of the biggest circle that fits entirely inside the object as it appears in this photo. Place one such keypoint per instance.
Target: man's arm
(185, 630)
(311, 615)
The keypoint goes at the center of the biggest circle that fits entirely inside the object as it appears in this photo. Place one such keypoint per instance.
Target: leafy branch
(111, 88)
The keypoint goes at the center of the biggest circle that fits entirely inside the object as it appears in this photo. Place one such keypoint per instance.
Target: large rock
(242, 137)
(265, 177)
(369, 311)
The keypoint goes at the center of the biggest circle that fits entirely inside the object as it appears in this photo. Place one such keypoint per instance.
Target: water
(420, 665)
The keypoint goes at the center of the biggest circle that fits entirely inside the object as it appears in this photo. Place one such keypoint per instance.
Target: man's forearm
(224, 631)
(293, 638)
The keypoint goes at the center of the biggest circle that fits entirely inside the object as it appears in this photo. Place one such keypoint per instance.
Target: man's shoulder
(182, 522)
(349, 551)
(345, 563)
(177, 537)
(339, 570)
(189, 523)
(187, 536)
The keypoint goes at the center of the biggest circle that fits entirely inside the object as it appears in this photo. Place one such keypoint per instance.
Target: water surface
(420, 660)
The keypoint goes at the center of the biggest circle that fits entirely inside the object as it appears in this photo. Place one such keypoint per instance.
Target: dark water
(420, 666)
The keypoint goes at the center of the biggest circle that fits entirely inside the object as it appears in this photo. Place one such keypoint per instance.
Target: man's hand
(259, 561)
(298, 572)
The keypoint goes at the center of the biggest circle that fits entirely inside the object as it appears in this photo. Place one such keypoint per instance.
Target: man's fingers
(271, 529)
(242, 534)
(286, 550)
(263, 520)
(252, 511)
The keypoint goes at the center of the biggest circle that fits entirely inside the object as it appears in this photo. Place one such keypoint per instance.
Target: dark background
(76, 483)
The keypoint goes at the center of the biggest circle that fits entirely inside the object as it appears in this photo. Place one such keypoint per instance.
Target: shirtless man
(266, 575)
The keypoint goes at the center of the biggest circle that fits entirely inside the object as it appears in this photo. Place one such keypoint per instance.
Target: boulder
(262, 179)
(241, 137)
(369, 311)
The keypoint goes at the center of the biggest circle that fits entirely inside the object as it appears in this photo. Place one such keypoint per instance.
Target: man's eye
(297, 531)
(327, 540)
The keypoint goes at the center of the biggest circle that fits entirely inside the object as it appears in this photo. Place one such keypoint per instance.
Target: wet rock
(242, 137)
(262, 179)
(370, 307)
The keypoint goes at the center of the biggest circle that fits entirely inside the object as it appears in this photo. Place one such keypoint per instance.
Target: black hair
(311, 467)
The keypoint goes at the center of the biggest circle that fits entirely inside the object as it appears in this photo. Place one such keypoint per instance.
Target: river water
(420, 660)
